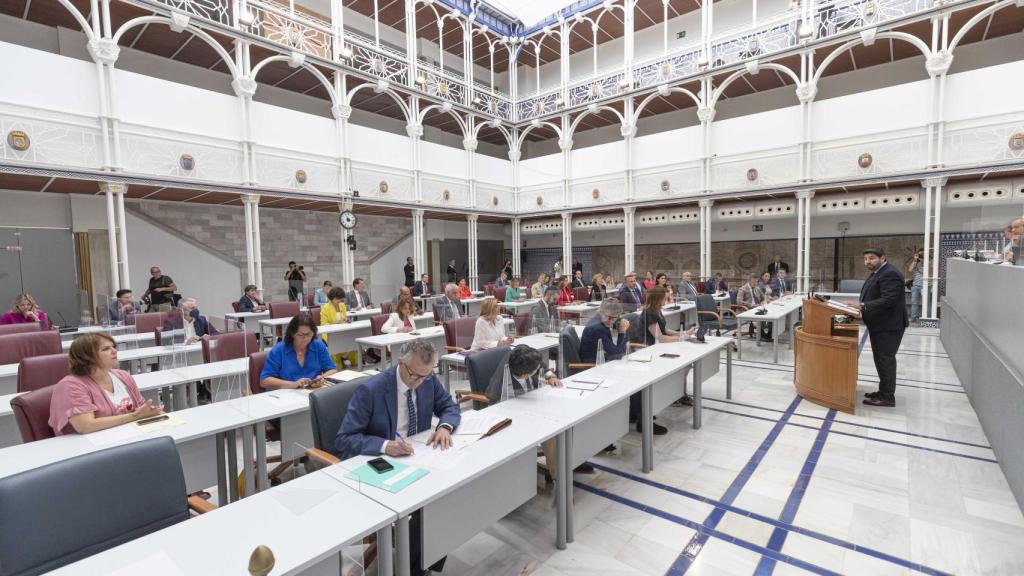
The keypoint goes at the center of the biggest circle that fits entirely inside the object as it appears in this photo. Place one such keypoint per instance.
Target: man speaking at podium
(883, 306)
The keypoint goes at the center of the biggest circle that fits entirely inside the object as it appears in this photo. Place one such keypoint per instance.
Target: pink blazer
(75, 395)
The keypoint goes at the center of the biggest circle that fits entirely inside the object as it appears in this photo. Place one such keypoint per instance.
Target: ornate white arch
(79, 18)
(312, 69)
(911, 39)
(450, 112)
(536, 124)
(593, 110)
(740, 73)
(975, 20)
(653, 95)
(499, 128)
(401, 103)
(202, 35)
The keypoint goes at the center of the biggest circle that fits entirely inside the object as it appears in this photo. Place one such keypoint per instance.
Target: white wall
(386, 273)
(199, 274)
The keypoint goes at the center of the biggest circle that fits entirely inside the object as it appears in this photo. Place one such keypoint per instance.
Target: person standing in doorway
(452, 271)
(410, 272)
(296, 278)
(883, 306)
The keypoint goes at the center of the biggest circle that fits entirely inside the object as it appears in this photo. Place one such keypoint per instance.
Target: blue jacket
(631, 300)
(594, 331)
(778, 289)
(419, 289)
(372, 413)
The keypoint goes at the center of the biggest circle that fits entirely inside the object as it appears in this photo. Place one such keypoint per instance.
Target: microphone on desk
(63, 321)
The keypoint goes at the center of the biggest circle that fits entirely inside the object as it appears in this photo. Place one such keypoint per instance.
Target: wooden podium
(826, 358)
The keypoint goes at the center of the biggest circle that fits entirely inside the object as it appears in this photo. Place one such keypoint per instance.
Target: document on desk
(394, 480)
(290, 398)
(578, 384)
(346, 376)
(477, 423)
(115, 435)
(432, 458)
(159, 423)
(845, 308)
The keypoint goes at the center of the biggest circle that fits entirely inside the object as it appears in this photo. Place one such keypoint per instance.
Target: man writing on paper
(883, 306)
(395, 405)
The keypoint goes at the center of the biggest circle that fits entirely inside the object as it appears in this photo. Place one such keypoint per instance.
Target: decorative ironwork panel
(595, 89)
(841, 17)
(670, 183)
(280, 172)
(382, 184)
(53, 143)
(441, 86)
(666, 70)
(982, 144)
(296, 30)
(494, 198)
(491, 104)
(768, 40)
(146, 154)
(378, 64)
(896, 155)
(537, 106)
(215, 10)
(368, 42)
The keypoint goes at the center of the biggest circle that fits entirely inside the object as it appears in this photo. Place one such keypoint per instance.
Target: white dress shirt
(402, 409)
(486, 335)
(359, 299)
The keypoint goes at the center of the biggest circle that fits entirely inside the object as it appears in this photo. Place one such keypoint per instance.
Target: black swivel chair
(711, 316)
(327, 409)
(481, 367)
(569, 349)
(66, 511)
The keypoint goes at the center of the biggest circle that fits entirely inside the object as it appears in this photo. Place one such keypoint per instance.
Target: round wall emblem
(540, 200)
(747, 260)
(18, 140)
(187, 162)
(864, 160)
(494, 200)
(665, 70)
(446, 195)
(300, 176)
(383, 186)
(595, 193)
(1016, 141)
(665, 185)
(752, 175)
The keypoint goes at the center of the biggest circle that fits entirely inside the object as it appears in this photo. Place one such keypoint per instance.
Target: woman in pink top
(96, 396)
(25, 310)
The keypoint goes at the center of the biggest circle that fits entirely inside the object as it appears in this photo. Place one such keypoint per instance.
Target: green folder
(366, 475)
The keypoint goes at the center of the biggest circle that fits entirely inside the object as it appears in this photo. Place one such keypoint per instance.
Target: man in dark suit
(780, 284)
(687, 289)
(358, 298)
(449, 307)
(577, 280)
(423, 287)
(883, 306)
(394, 406)
(544, 315)
(716, 285)
(631, 295)
(410, 272)
(777, 264)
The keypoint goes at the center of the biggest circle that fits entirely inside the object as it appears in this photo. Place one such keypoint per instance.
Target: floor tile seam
(880, 440)
(869, 426)
(787, 368)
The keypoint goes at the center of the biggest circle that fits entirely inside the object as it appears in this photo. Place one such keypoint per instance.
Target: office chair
(37, 372)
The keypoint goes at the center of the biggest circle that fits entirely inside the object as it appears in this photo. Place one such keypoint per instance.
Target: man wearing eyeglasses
(390, 409)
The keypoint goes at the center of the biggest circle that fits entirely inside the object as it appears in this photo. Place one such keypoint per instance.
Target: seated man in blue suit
(393, 406)
(780, 284)
(631, 294)
(716, 285)
(423, 287)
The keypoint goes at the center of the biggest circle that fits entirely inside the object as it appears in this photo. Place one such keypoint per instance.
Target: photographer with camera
(160, 294)
(296, 277)
(915, 268)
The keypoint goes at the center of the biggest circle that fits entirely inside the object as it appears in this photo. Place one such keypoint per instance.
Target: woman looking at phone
(300, 360)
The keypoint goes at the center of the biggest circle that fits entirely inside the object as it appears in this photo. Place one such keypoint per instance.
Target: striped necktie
(412, 413)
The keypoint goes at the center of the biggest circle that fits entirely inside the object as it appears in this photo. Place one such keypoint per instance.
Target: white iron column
(705, 237)
(122, 232)
(805, 92)
(250, 264)
(470, 145)
(410, 37)
(257, 242)
(567, 243)
(419, 251)
(473, 268)
(565, 144)
(415, 131)
(799, 240)
(803, 281)
(629, 240)
(115, 275)
(628, 131)
(104, 52)
(341, 113)
(245, 88)
(705, 114)
(930, 288)
(517, 245)
(348, 255)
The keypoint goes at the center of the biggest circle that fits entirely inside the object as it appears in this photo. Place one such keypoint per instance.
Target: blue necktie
(412, 413)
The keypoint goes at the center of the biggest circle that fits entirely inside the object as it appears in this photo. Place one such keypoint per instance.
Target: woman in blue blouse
(301, 360)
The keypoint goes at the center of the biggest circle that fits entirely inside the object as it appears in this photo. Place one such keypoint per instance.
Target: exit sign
(758, 227)
(680, 35)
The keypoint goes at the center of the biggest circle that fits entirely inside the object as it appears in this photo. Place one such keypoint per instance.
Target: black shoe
(658, 429)
(873, 395)
(881, 402)
(684, 401)
(608, 449)
(584, 468)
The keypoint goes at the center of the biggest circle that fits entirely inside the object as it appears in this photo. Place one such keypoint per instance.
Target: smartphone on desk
(153, 420)
(380, 465)
(667, 355)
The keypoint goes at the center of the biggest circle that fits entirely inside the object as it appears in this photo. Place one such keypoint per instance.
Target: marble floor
(772, 484)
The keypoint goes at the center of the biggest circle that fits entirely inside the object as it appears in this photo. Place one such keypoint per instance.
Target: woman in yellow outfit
(334, 312)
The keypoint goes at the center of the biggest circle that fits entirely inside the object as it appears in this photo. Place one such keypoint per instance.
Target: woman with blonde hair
(401, 318)
(490, 329)
(96, 395)
(25, 310)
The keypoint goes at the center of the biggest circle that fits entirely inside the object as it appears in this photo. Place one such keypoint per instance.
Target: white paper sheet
(290, 397)
(474, 422)
(581, 385)
(431, 458)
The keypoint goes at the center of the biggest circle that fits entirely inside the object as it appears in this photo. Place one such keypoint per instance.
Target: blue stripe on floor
(789, 369)
(696, 544)
(778, 538)
(851, 434)
(773, 522)
(883, 429)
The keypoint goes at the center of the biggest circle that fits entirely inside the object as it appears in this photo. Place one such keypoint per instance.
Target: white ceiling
(530, 12)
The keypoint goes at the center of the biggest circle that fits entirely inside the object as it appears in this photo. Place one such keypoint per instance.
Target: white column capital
(805, 193)
(250, 199)
(341, 111)
(514, 154)
(244, 86)
(344, 205)
(381, 86)
(179, 21)
(470, 144)
(567, 216)
(414, 130)
(103, 50)
(565, 144)
(516, 222)
(629, 210)
(418, 212)
(938, 64)
(936, 182)
(113, 187)
(806, 91)
(472, 218)
(706, 203)
(705, 114)
(627, 130)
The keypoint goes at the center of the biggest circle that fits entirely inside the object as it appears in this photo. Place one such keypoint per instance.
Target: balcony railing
(308, 32)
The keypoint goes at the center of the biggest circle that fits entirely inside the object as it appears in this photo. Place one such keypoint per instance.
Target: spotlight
(355, 193)
(351, 241)
(346, 53)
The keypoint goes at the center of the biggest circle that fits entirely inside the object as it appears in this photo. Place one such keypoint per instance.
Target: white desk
(425, 319)
(519, 305)
(781, 313)
(471, 306)
(388, 341)
(306, 523)
(542, 342)
(496, 476)
(364, 313)
(584, 309)
(342, 337)
(108, 329)
(123, 340)
(250, 319)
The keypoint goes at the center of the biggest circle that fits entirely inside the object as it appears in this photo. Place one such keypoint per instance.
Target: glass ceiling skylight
(530, 12)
